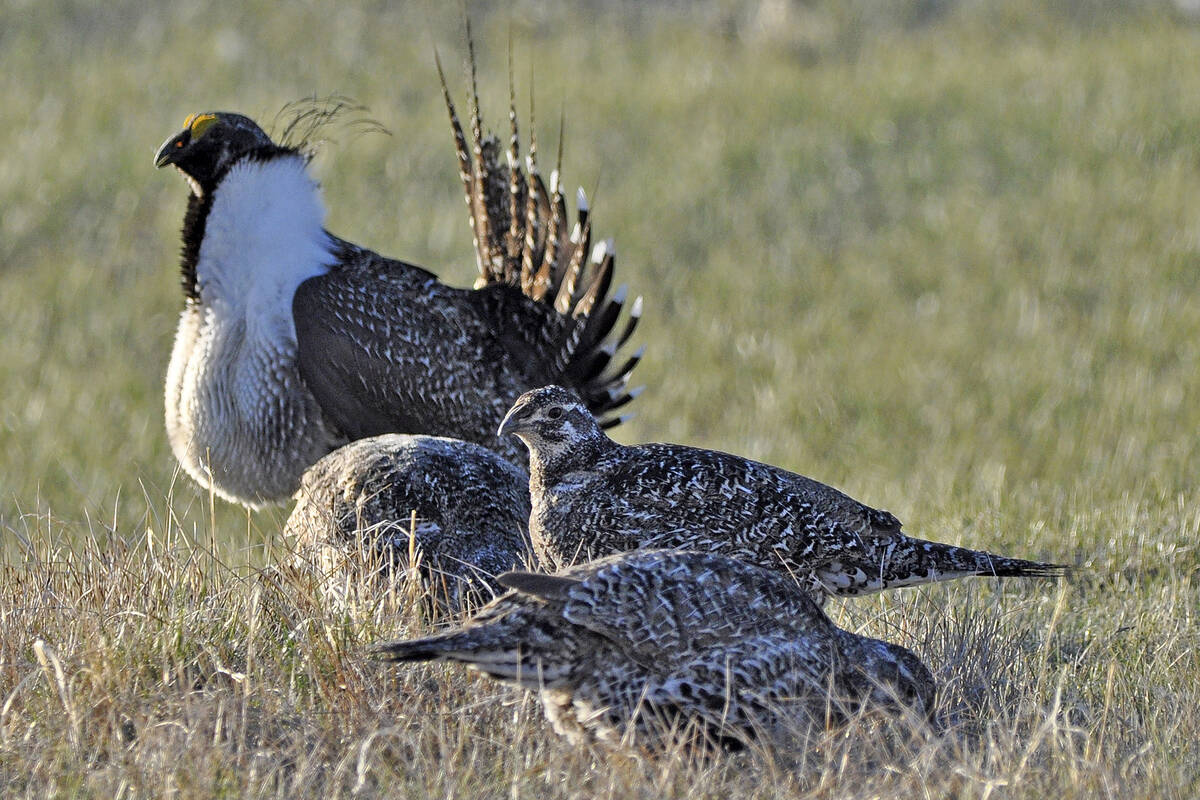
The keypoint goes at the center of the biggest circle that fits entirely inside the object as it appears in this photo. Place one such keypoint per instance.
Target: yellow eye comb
(199, 123)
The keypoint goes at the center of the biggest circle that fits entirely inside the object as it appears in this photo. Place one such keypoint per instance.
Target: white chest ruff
(238, 416)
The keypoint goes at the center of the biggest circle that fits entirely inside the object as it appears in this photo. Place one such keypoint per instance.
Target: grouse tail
(524, 238)
(496, 650)
(916, 562)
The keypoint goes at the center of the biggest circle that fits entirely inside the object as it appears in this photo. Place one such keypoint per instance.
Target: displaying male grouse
(634, 646)
(377, 505)
(293, 341)
(592, 497)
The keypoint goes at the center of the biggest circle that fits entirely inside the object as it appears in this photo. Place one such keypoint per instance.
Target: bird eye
(554, 413)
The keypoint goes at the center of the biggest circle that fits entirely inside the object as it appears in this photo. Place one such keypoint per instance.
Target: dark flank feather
(638, 647)
(593, 497)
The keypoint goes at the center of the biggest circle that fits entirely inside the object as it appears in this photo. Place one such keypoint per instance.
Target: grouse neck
(194, 220)
(549, 465)
(264, 233)
(264, 201)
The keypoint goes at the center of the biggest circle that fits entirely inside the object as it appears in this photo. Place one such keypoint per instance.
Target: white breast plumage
(264, 236)
(233, 377)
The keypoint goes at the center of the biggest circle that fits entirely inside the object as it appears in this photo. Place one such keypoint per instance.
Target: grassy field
(941, 255)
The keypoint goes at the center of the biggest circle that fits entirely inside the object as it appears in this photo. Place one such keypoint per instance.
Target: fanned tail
(524, 239)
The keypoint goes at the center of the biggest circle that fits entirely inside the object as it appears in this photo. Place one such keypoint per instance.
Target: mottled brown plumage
(592, 497)
(456, 510)
(636, 646)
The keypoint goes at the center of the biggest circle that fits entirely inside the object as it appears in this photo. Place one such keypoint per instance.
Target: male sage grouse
(643, 644)
(592, 497)
(293, 341)
(455, 510)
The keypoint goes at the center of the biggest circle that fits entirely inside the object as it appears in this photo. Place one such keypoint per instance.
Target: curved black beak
(171, 148)
(513, 420)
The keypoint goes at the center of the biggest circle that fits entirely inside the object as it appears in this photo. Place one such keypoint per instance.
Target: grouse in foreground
(592, 497)
(378, 505)
(293, 341)
(639, 645)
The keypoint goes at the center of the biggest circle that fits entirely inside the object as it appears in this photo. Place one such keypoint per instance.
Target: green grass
(941, 255)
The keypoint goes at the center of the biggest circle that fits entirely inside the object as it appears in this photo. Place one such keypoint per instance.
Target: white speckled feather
(593, 497)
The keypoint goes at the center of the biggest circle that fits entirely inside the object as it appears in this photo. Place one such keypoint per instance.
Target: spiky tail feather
(409, 651)
(523, 239)
(915, 562)
(494, 651)
(1002, 567)
(478, 646)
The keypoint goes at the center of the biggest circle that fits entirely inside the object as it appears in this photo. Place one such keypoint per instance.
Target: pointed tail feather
(466, 172)
(499, 657)
(950, 559)
(516, 184)
(598, 278)
(414, 650)
(1000, 567)
(521, 239)
(915, 562)
(470, 646)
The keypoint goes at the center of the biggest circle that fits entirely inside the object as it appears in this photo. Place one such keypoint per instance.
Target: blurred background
(943, 255)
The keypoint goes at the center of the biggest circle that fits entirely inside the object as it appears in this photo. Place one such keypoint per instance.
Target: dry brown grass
(154, 666)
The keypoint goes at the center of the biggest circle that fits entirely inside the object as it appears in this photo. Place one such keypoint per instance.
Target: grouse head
(552, 422)
(891, 677)
(208, 145)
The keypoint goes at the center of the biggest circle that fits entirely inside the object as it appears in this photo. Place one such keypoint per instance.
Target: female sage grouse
(643, 644)
(293, 341)
(592, 497)
(376, 506)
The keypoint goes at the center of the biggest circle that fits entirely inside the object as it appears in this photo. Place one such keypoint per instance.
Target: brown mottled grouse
(642, 644)
(293, 341)
(355, 509)
(592, 497)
